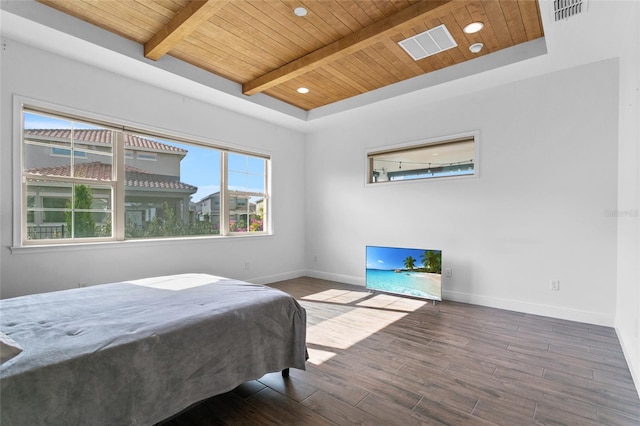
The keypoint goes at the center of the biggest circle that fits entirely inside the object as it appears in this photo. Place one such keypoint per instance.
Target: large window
(455, 156)
(87, 182)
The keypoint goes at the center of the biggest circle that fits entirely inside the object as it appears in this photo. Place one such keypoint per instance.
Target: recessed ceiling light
(300, 11)
(476, 47)
(303, 90)
(473, 27)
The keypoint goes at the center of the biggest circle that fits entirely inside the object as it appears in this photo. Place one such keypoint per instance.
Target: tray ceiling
(338, 50)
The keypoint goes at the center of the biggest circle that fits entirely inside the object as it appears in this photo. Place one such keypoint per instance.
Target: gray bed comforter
(137, 352)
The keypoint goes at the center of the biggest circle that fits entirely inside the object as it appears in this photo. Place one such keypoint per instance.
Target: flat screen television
(405, 271)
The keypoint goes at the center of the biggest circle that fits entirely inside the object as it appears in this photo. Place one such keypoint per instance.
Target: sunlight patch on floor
(349, 328)
(393, 302)
(379, 301)
(337, 296)
(367, 299)
(317, 356)
(351, 317)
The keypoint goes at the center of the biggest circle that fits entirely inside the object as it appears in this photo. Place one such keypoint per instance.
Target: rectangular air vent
(564, 9)
(428, 43)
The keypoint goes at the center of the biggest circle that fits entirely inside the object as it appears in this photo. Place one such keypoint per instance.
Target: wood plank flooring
(378, 359)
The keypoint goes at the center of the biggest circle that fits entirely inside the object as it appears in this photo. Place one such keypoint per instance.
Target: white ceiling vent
(428, 43)
(564, 9)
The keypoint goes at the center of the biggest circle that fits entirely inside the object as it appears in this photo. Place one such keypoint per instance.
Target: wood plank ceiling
(339, 49)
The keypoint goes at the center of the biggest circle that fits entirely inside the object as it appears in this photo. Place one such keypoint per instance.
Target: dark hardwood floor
(378, 359)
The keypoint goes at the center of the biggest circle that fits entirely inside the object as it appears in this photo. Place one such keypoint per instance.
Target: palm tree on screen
(432, 261)
(410, 262)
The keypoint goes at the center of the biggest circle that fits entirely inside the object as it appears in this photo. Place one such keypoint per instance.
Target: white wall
(628, 211)
(548, 174)
(33, 73)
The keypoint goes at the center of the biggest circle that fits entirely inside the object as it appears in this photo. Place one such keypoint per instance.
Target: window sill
(106, 245)
(422, 180)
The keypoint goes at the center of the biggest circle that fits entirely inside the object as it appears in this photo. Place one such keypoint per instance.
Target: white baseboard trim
(492, 302)
(531, 308)
(268, 279)
(633, 367)
(347, 279)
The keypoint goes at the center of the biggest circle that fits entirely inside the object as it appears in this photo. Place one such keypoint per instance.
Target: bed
(137, 352)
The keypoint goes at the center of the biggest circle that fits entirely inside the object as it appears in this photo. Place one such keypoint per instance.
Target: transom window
(83, 181)
(450, 157)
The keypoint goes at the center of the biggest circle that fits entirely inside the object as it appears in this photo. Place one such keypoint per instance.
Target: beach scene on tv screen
(409, 271)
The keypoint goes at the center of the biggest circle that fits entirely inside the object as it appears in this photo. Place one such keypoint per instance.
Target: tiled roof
(135, 178)
(141, 179)
(103, 136)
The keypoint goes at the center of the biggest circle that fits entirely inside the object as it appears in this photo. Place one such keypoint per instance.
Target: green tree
(410, 263)
(164, 224)
(104, 230)
(432, 261)
(83, 223)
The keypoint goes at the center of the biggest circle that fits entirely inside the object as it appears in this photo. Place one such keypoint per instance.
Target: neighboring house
(152, 171)
(241, 210)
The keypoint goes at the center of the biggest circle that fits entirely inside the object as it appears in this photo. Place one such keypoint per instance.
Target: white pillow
(8, 348)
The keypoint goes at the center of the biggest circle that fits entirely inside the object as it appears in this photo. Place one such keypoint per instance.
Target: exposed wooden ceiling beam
(347, 45)
(180, 26)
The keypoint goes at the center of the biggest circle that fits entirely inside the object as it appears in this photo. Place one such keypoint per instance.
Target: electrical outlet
(315, 259)
(247, 266)
(448, 272)
(555, 285)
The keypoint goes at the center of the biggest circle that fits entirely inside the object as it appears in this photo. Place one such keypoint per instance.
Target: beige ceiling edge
(45, 28)
(501, 58)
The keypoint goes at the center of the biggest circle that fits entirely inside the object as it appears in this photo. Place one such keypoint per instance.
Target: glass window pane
(102, 211)
(454, 158)
(55, 208)
(256, 218)
(92, 152)
(246, 179)
(255, 183)
(48, 206)
(47, 145)
(246, 173)
(176, 194)
(31, 201)
(61, 147)
(58, 210)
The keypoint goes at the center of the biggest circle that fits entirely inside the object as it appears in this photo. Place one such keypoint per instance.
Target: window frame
(248, 194)
(423, 143)
(20, 194)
